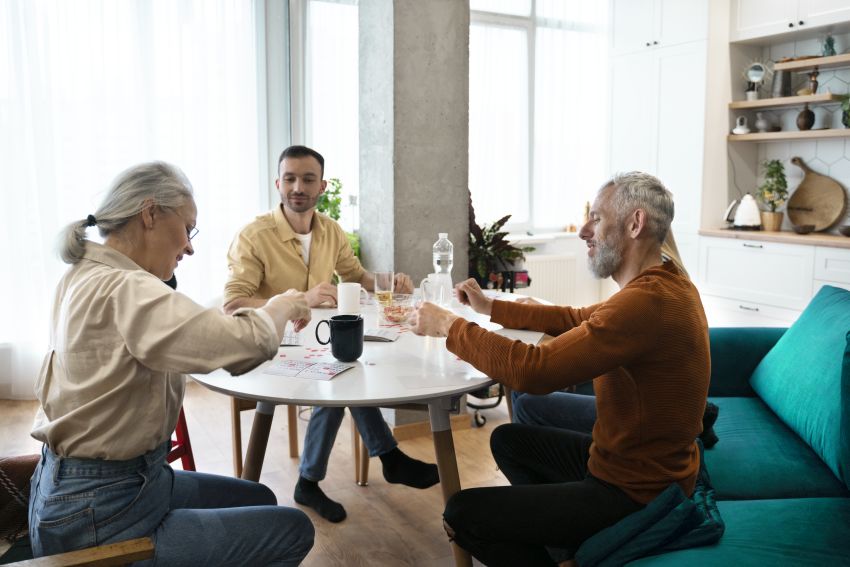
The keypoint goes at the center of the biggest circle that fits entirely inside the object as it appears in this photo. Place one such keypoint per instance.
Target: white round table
(412, 369)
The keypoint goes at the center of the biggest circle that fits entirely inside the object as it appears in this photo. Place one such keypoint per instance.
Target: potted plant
(330, 203)
(773, 193)
(490, 253)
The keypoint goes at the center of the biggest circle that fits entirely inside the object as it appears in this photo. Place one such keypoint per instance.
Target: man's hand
(322, 293)
(433, 321)
(403, 283)
(469, 293)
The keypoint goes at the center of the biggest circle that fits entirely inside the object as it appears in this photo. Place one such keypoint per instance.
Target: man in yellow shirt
(293, 247)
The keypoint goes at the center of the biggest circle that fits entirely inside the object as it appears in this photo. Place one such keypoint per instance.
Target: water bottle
(443, 260)
(443, 252)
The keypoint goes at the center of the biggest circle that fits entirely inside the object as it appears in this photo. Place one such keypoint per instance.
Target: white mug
(348, 298)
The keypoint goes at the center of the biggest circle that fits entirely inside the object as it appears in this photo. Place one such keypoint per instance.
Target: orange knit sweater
(646, 349)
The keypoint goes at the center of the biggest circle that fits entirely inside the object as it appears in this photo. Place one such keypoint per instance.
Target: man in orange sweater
(646, 350)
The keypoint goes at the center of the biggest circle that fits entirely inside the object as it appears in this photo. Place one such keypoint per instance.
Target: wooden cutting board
(818, 200)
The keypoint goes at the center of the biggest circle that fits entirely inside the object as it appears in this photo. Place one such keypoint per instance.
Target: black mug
(346, 336)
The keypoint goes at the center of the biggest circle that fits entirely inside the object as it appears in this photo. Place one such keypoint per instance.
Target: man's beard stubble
(608, 257)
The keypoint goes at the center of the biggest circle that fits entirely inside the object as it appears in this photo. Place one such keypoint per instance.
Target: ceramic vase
(771, 221)
(761, 122)
(806, 119)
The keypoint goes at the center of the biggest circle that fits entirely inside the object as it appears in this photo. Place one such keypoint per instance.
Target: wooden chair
(237, 406)
(121, 553)
(181, 447)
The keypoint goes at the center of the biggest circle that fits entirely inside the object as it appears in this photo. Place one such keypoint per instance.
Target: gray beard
(607, 259)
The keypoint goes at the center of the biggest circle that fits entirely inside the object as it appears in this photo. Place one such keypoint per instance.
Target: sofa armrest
(735, 353)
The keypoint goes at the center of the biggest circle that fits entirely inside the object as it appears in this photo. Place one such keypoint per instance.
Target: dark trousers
(553, 501)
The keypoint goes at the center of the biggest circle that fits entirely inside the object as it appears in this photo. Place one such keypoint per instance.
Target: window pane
(498, 122)
(514, 7)
(332, 96)
(578, 13)
(570, 109)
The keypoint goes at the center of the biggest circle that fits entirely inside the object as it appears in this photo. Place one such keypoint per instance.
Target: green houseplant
(330, 203)
(489, 252)
(773, 193)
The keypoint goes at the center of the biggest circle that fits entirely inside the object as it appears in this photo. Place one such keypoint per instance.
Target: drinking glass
(384, 287)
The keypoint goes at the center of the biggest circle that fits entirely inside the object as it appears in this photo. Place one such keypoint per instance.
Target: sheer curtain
(90, 87)
(331, 96)
(538, 109)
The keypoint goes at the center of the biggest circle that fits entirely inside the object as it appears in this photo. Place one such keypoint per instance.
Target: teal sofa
(781, 470)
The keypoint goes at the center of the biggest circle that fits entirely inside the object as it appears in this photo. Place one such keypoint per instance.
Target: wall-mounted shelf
(765, 103)
(790, 135)
(822, 63)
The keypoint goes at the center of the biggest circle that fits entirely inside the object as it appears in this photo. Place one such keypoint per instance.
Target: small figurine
(828, 46)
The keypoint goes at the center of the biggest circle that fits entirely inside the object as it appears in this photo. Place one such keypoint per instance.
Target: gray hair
(162, 183)
(637, 190)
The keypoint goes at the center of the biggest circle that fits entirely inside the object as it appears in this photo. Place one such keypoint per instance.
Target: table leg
(444, 446)
(258, 441)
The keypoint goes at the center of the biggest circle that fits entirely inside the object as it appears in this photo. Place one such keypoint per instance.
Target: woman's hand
(289, 306)
(469, 293)
(431, 320)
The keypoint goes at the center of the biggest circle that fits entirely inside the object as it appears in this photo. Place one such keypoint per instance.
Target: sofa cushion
(801, 379)
(800, 532)
(759, 457)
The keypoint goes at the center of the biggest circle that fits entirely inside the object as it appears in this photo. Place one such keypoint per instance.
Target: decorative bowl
(398, 311)
(844, 229)
(803, 228)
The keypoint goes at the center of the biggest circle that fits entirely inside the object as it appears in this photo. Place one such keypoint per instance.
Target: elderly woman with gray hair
(112, 385)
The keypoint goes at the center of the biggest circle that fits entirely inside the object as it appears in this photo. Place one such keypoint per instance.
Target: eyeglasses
(192, 232)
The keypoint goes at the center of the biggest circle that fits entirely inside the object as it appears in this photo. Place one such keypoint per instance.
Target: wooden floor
(386, 525)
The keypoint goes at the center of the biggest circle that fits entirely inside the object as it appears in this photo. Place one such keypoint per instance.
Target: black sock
(308, 493)
(401, 469)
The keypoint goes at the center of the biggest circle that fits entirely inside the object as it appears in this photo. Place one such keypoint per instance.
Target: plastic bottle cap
(443, 234)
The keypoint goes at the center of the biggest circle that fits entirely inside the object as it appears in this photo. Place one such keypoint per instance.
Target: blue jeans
(321, 434)
(563, 410)
(193, 518)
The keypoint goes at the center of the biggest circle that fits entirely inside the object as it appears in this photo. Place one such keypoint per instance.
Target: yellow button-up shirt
(112, 382)
(265, 257)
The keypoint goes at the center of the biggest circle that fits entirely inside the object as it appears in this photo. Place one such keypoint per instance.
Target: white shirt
(305, 240)
(112, 382)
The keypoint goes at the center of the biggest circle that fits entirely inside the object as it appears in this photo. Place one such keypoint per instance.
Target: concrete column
(414, 118)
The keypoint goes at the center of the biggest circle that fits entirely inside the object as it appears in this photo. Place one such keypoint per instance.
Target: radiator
(553, 277)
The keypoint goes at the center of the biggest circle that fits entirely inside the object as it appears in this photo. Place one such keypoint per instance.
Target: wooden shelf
(761, 103)
(822, 63)
(790, 135)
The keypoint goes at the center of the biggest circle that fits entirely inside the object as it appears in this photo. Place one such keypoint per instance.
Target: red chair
(181, 447)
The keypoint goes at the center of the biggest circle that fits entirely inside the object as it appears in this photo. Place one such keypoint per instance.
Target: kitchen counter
(784, 236)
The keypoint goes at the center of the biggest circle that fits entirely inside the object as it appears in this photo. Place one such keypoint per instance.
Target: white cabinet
(643, 24)
(658, 123)
(832, 264)
(761, 272)
(724, 312)
(752, 19)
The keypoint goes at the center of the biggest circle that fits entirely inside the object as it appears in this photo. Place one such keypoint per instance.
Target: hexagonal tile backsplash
(828, 157)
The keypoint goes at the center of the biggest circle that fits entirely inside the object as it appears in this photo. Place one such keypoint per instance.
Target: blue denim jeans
(321, 434)
(193, 518)
(563, 410)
